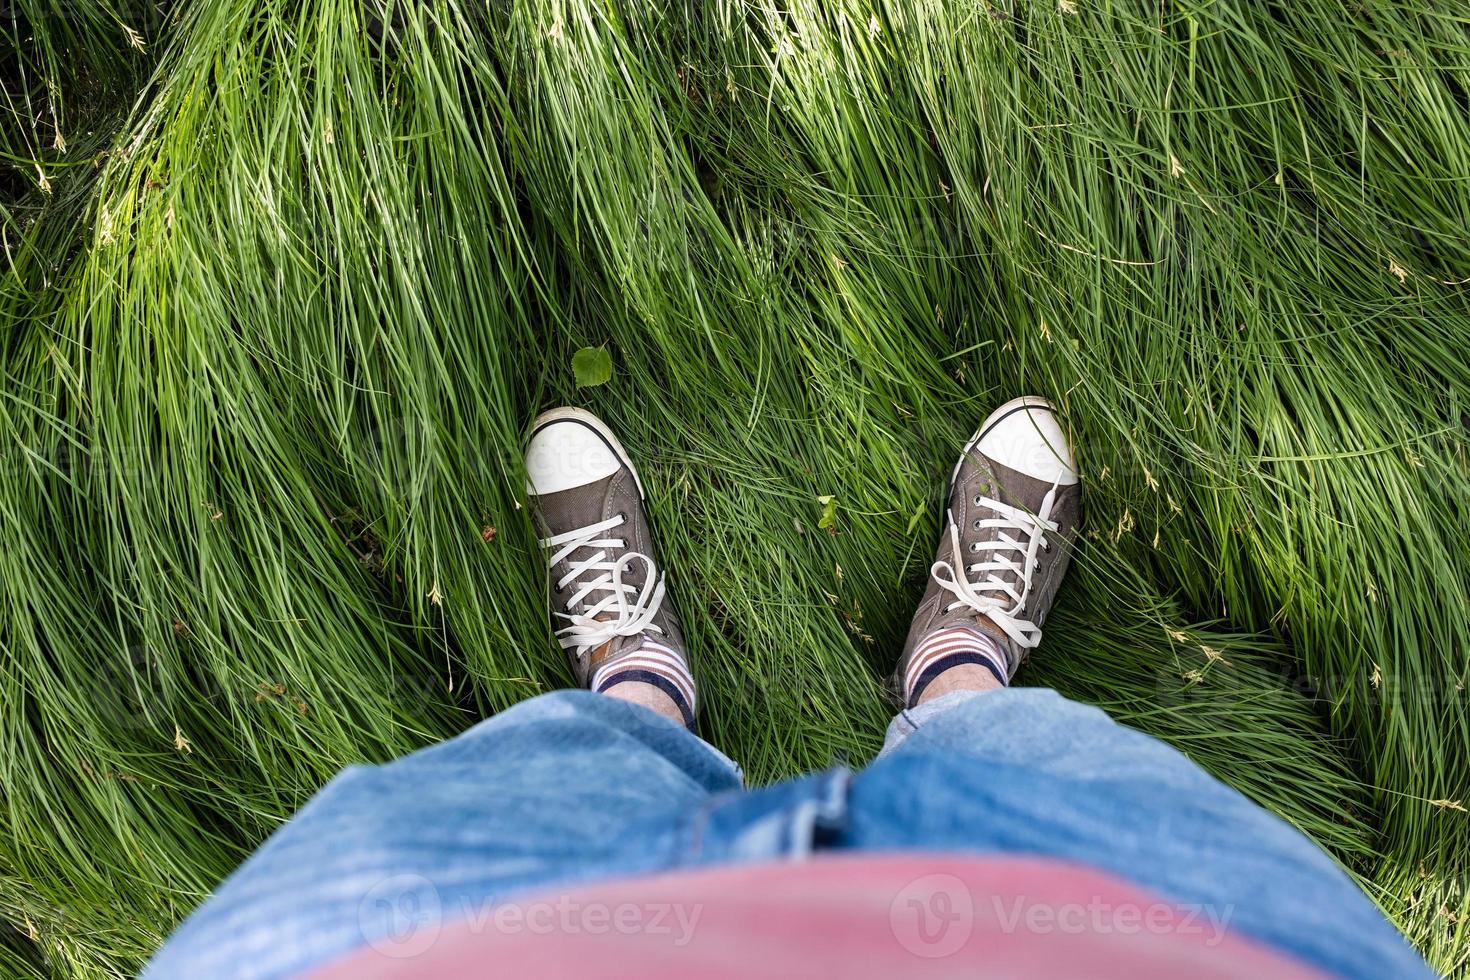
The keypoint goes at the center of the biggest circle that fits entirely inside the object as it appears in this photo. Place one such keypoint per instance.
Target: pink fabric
(849, 916)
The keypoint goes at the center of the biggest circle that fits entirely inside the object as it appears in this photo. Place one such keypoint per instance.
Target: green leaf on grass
(828, 520)
(592, 366)
(919, 513)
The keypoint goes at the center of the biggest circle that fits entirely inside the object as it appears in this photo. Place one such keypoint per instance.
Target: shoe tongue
(584, 506)
(614, 649)
(1013, 579)
(999, 595)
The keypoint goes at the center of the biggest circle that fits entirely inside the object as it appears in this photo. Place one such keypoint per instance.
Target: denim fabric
(573, 786)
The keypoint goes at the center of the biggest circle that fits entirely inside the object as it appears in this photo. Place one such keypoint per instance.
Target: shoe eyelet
(979, 501)
(976, 525)
(974, 546)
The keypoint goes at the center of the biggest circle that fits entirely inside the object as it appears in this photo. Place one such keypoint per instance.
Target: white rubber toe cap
(565, 454)
(1024, 435)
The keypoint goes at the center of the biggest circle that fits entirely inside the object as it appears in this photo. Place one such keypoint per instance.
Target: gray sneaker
(1009, 531)
(608, 605)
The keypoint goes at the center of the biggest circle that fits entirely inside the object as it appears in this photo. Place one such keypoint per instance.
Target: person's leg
(1027, 771)
(1010, 525)
(971, 764)
(568, 786)
(607, 591)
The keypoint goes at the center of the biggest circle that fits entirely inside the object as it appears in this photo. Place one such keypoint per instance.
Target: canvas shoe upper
(607, 588)
(1008, 533)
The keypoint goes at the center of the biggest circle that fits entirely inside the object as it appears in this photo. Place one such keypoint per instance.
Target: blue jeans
(573, 786)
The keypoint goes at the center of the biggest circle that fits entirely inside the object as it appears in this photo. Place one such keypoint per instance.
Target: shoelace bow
(993, 596)
(614, 614)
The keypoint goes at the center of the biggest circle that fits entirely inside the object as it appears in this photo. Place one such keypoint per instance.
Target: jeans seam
(699, 820)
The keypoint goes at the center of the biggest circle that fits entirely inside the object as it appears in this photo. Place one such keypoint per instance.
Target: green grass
(303, 273)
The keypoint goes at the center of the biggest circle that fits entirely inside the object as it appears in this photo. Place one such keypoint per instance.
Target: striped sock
(652, 663)
(948, 648)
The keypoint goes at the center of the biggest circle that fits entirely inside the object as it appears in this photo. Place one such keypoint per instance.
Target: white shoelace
(625, 610)
(979, 593)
